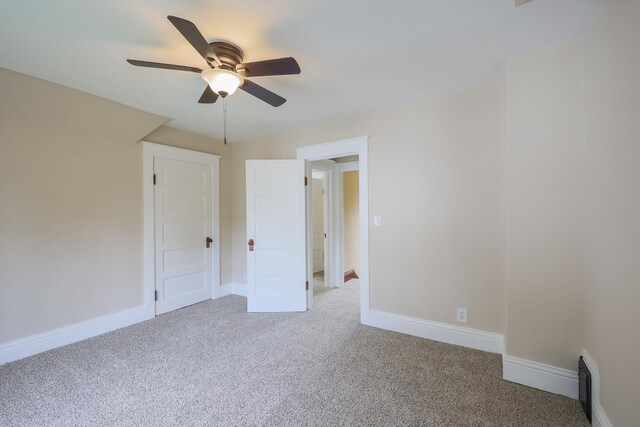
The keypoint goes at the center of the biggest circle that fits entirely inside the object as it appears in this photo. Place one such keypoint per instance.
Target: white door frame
(325, 214)
(150, 151)
(330, 261)
(341, 148)
(328, 167)
(326, 218)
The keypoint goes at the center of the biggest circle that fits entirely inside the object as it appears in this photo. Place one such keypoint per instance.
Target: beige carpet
(318, 283)
(214, 364)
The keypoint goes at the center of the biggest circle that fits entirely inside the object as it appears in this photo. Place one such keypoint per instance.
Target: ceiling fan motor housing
(229, 54)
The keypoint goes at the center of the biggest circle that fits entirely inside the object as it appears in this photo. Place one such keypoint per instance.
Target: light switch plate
(377, 220)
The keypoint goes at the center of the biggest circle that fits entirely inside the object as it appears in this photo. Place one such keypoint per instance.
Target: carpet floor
(215, 364)
(318, 284)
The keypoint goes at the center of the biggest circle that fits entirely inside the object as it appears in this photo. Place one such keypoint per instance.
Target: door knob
(251, 245)
(209, 241)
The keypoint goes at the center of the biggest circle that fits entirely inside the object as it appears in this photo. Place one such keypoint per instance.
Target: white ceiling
(356, 55)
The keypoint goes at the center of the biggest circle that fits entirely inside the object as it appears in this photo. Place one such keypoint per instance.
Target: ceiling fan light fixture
(223, 82)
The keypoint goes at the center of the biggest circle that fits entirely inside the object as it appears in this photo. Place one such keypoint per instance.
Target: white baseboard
(538, 375)
(233, 289)
(240, 289)
(599, 417)
(226, 289)
(34, 344)
(452, 334)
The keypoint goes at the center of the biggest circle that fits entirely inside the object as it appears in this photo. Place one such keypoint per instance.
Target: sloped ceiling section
(356, 56)
(41, 112)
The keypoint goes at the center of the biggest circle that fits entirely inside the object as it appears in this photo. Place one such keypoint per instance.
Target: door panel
(183, 216)
(274, 204)
(182, 284)
(276, 270)
(275, 231)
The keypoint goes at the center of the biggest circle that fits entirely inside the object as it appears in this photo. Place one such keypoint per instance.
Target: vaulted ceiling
(356, 55)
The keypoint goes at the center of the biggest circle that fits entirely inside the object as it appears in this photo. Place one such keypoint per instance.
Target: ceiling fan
(521, 2)
(226, 71)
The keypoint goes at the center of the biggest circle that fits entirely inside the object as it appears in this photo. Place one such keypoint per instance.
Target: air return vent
(584, 394)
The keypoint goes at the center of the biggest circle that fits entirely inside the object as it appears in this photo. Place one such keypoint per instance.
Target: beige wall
(351, 221)
(612, 82)
(71, 204)
(436, 177)
(70, 216)
(545, 205)
(573, 205)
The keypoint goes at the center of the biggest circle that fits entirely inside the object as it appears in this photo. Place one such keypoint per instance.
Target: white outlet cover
(461, 315)
(377, 220)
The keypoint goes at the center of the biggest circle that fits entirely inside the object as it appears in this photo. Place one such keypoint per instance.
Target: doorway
(343, 229)
(279, 233)
(330, 154)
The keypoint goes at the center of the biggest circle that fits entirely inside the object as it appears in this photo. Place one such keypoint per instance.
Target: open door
(276, 250)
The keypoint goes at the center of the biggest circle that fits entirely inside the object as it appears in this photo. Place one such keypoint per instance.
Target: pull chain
(224, 115)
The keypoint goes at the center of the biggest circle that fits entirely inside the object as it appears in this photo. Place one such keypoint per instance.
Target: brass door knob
(251, 245)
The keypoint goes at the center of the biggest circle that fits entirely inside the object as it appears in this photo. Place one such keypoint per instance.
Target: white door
(183, 217)
(317, 221)
(276, 253)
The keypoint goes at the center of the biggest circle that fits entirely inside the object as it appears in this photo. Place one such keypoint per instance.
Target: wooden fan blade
(208, 96)
(521, 2)
(190, 32)
(262, 93)
(164, 66)
(270, 67)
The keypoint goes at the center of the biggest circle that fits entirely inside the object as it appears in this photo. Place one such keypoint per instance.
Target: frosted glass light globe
(223, 82)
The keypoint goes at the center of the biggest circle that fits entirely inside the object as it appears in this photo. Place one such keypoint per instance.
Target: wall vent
(584, 394)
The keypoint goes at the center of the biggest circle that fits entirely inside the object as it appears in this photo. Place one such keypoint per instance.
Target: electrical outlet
(461, 315)
(377, 220)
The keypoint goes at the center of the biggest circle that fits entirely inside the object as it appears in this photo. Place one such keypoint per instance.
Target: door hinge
(154, 179)
(306, 182)
(155, 295)
(307, 285)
